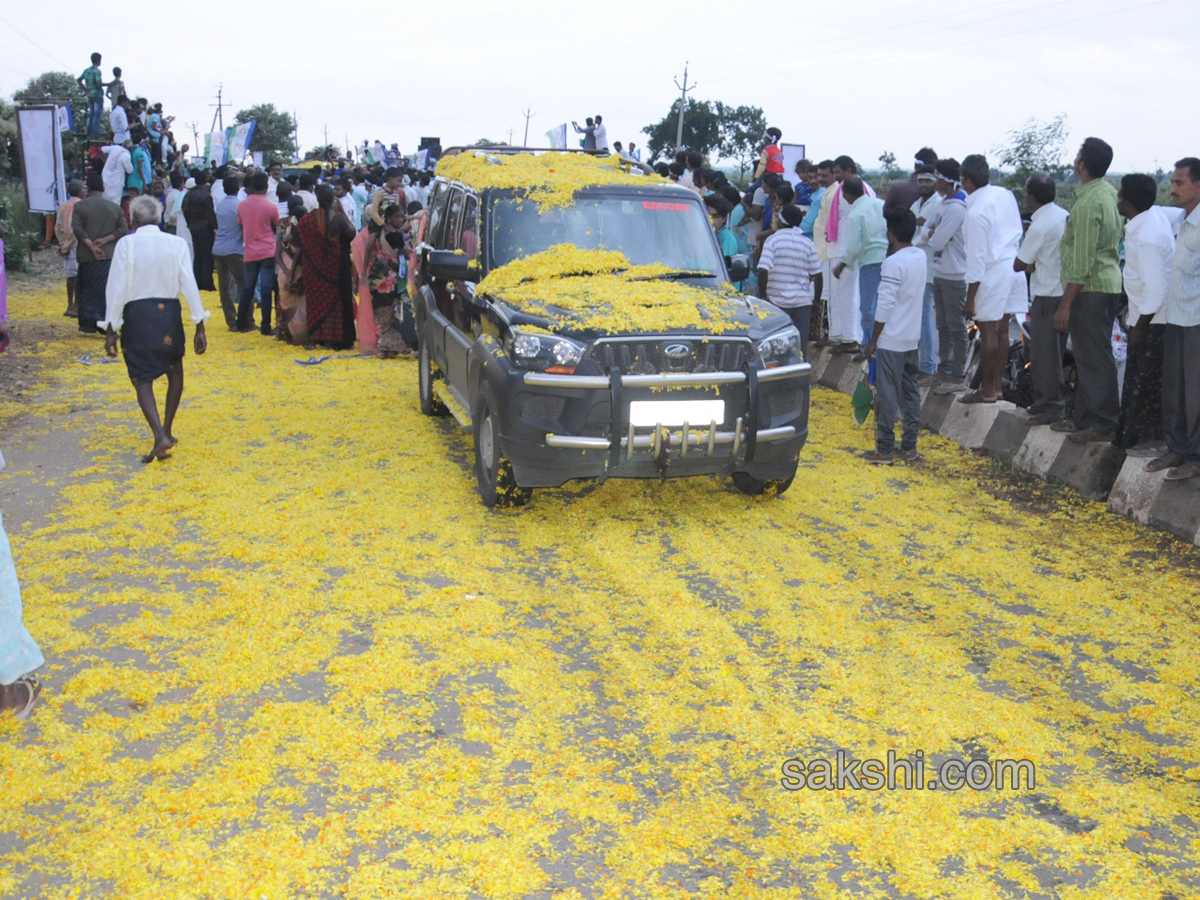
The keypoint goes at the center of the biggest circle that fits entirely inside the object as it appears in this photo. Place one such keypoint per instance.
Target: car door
(435, 316)
(458, 335)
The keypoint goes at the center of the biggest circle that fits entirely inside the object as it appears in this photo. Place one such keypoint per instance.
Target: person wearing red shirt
(259, 218)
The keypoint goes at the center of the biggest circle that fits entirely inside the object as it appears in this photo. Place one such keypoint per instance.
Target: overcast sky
(956, 75)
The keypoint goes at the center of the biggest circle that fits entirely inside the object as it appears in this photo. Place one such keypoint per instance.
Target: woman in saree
(324, 256)
(387, 278)
(364, 316)
(291, 318)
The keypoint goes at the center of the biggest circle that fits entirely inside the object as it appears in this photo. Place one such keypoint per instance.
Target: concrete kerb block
(832, 376)
(934, 409)
(1006, 437)
(1177, 508)
(969, 423)
(851, 377)
(1090, 469)
(1038, 452)
(819, 360)
(1135, 490)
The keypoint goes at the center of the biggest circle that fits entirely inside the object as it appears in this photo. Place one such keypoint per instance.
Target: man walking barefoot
(143, 302)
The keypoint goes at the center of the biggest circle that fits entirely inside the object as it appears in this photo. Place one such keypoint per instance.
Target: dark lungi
(90, 293)
(152, 337)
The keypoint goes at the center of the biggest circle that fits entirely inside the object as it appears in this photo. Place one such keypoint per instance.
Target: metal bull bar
(706, 437)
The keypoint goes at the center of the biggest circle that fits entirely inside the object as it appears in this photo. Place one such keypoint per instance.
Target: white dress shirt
(601, 137)
(150, 263)
(1040, 248)
(924, 209)
(118, 164)
(1183, 290)
(992, 234)
(119, 121)
(1149, 252)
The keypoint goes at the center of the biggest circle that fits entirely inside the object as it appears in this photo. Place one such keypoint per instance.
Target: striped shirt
(1183, 291)
(1090, 240)
(792, 260)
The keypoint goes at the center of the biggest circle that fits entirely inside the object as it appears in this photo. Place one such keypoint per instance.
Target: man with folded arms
(1039, 256)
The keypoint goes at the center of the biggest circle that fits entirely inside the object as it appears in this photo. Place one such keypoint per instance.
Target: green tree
(742, 130)
(888, 159)
(9, 152)
(1035, 147)
(274, 134)
(701, 130)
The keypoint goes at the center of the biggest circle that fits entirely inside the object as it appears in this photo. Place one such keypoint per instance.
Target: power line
(54, 58)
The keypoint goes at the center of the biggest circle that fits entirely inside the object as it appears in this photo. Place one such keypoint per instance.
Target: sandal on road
(975, 397)
(1180, 473)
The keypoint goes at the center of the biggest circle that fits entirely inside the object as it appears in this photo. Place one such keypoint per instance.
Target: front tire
(497, 484)
(426, 374)
(757, 487)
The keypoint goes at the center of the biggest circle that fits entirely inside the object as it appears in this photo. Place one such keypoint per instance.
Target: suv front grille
(656, 355)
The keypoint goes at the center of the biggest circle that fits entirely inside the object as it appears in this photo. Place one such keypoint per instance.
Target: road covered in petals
(301, 660)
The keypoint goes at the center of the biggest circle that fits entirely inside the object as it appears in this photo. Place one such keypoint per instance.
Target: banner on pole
(239, 140)
(42, 157)
(216, 148)
(558, 136)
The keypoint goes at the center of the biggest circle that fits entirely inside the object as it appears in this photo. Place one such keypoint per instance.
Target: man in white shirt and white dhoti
(992, 233)
(150, 269)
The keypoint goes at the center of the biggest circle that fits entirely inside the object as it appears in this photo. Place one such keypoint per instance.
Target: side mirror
(450, 266)
(739, 267)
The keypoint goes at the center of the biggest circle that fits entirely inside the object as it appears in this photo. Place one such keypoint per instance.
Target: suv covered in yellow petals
(578, 318)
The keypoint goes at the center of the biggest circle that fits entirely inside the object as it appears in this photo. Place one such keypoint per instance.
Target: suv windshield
(674, 232)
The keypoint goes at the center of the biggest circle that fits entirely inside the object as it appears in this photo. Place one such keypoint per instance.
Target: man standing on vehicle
(601, 134)
(789, 271)
(1039, 256)
(1091, 272)
(92, 81)
(589, 133)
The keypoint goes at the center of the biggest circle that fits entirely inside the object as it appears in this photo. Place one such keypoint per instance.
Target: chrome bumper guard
(684, 438)
(666, 379)
(660, 438)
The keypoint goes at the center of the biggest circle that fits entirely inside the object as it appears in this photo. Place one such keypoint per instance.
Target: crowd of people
(842, 263)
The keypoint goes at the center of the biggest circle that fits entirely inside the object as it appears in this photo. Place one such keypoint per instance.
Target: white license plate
(673, 413)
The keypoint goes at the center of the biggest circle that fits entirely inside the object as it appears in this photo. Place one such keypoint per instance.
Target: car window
(675, 232)
(453, 215)
(467, 232)
(437, 215)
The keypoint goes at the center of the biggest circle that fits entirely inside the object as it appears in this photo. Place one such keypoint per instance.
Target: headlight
(780, 348)
(542, 352)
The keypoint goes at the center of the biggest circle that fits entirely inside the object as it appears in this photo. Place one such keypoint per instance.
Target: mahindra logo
(677, 351)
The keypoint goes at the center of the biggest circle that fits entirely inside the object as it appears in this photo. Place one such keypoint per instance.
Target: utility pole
(326, 145)
(196, 135)
(218, 116)
(684, 88)
(510, 134)
(296, 133)
(528, 114)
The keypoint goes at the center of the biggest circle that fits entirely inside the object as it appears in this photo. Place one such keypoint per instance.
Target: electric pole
(684, 88)
(510, 134)
(528, 114)
(218, 116)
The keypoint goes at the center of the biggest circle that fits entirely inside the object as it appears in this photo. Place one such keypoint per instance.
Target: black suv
(551, 398)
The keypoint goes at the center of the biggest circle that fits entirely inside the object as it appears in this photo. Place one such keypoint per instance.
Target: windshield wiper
(682, 273)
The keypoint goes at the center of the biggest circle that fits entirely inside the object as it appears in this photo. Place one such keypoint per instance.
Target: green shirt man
(1089, 242)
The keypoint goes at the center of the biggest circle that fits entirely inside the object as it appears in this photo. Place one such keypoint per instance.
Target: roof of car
(550, 179)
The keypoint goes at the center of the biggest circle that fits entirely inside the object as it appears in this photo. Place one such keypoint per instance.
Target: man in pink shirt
(258, 217)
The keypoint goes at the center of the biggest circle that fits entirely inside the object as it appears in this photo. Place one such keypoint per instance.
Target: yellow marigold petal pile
(600, 290)
(549, 179)
(301, 660)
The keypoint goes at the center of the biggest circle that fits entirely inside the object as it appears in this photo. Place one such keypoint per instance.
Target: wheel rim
(486, 445)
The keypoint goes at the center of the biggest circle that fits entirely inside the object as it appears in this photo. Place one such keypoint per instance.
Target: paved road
(301, 660)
